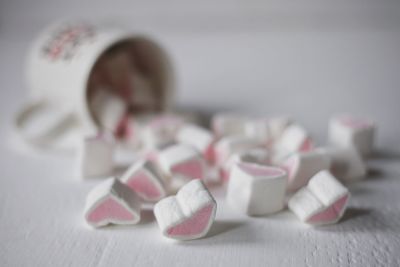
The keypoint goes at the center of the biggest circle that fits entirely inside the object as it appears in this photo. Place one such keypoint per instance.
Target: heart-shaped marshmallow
(144, 178)
(112, 202)
(189, 214)
(322, 201)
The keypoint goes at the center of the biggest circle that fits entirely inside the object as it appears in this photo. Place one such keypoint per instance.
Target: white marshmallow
(144, 178)
(189, 214)
(95, 156)
(229, 145)
(259, 130)
(225, 124)
(302, 166)
(322, 201)
(184, 161)
(351, 132)
(346, 163)
(108, 109)
(202, 139)
(255, 189)
(112, 202)
(294, 139)
(277, 125)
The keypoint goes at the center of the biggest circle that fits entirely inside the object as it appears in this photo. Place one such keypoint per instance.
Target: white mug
(59, 64)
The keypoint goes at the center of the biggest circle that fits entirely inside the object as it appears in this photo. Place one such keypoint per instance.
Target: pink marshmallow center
(331, 212)
(110, 210)
(194, 225)
(258, 170)
(144, 185)
(192, 169)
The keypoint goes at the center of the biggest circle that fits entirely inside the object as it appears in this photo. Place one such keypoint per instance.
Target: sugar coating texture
(322, 201)
(189, 214)
(112, 202)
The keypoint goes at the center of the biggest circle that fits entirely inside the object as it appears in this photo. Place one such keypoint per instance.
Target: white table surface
(309, 60)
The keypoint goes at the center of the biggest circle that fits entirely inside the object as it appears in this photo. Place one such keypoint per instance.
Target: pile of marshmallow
(265, 164)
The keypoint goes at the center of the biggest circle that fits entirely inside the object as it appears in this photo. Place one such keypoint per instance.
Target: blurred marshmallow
(352, 132)
(95, 156)
(346, 163)
(202, 139)
(182, 161)
(302, 166)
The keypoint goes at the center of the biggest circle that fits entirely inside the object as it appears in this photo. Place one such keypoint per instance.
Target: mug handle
(47, 133)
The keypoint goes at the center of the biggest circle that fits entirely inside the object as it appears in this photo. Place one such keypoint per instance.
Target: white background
(308, 59)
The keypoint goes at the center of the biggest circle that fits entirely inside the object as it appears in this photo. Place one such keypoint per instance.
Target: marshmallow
(256, 155)
(189, 214)
(224, 124)
(112, 202)
(277, 125)
(347, 131)
(322, 201)
(294, 139)
(183, 161)
(143, 178)
(258, 129)
(302, 166)
(346, 163)
(95, 156)
(229, 145)
(198, 137)
(255, 189)
(109, 110)
(161, 131)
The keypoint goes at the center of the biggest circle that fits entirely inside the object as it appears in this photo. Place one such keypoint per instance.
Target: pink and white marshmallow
(202, 139)
(351, 132)
(255, 155)
(95, 156)
(112, 202)
(182, 161)
(144, 178)
(188, 215)
(346, 163)
(256, 189)
(302, 166)
(322, 201)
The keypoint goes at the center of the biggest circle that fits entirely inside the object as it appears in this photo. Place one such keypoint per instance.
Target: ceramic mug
(59, 66)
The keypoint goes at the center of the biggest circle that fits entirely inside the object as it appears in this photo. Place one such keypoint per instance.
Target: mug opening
(137, 71)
